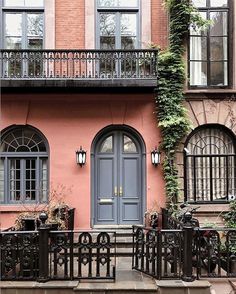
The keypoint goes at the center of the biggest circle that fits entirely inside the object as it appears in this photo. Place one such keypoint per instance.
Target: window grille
(209, 161)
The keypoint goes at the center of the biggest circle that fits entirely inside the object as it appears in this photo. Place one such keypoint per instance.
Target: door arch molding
(104, 133)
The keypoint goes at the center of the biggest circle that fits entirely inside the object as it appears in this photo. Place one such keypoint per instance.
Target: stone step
(178, 286)
(223, 286)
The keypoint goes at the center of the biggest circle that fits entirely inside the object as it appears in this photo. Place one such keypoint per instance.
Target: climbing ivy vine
(170, 110)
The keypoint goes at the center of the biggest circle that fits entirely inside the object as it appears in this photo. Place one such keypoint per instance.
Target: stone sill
(211, 208)
(21, 208)
(182, 284)
(213, 91)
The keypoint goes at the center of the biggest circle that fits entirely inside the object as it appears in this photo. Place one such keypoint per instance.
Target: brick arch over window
(23, 165)
(209, 165)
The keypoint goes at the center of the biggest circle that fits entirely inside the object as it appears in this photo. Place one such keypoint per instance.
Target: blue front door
(118, 180)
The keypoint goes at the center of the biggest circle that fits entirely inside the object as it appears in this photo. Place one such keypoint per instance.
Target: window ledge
(211, 207)
(20, 208)
(213, 91)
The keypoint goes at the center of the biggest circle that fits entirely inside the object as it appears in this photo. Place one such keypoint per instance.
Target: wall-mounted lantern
(80, 156)
(155, 156)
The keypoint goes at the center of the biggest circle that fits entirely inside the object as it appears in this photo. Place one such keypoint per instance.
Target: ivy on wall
(171, 113)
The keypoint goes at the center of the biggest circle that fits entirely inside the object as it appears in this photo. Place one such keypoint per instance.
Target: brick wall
(70, 23)
(70, 20)
(159, 24)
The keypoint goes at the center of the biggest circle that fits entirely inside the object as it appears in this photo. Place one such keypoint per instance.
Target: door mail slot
(105, 200)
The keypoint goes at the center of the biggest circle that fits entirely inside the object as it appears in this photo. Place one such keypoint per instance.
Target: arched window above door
(129, 145)
(23, 166)
(107, 145)
(210, 165)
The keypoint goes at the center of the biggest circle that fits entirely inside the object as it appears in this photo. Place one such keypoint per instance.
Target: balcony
(78, 68)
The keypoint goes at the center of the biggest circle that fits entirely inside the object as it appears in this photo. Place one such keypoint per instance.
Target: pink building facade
(69, 121)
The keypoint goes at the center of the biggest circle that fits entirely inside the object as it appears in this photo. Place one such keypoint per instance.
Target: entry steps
(124, 240)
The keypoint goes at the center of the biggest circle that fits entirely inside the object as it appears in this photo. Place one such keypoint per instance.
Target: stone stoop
(124, 242)
(223, 286)
(181, 287)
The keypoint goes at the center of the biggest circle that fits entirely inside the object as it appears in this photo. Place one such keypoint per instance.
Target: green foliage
(230, 217)
(170, 110)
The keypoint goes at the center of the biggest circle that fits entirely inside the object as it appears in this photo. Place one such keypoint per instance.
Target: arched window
(23, 166)
(209, 163)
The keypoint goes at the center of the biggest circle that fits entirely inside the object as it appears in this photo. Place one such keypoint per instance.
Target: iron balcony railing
(78, 64)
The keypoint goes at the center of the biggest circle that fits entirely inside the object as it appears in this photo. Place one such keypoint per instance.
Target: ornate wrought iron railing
(216, 252)
(188, 254)
(52, 255)
(78, 64)
(158, 253)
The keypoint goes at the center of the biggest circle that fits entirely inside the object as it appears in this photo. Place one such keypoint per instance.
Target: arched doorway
(118, 177)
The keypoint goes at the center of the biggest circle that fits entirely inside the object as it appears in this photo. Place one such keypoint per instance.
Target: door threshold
(112, 226)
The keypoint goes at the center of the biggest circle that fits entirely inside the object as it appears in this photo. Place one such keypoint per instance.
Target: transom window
(210, 165)
(23, 166)
(208, 49)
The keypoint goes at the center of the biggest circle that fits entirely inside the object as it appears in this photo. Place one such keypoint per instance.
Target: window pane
(194, 30)
(107, 145)
(219, 26)
(107, 43)
(198, 48)
(35, 43)
(35, 24)
(128, 24)
(129, 145)
(219, 3)
(34, 3)
(128, 3)
(107, 3)
(199, 3)
(13, 26)
(15, 186)
(13, 43)
(118, 3)
(198, 73)
(30, 3)
(44, 181)
(128, 43)
(219, 74)
(218, 48)
(14, 2)
(107, 24)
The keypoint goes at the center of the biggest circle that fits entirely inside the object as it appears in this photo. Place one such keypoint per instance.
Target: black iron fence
(78, 64)
(187, 254)
(157, 253)
(183, 250)
(50, 255)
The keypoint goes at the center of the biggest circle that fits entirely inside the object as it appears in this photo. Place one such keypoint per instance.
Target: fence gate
(158, 253)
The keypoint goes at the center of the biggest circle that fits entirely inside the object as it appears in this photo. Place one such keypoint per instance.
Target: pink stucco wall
(71, 120)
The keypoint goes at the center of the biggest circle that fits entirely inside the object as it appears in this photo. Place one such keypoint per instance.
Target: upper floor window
(209, 49)
(23, 166)
(23, 24)
(117, 24)
(209, 162)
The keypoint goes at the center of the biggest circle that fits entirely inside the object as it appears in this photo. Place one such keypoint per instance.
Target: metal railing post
(164, 213)
(43, 249)
(187, 253)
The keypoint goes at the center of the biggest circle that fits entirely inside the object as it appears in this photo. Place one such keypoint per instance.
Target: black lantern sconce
(80, 156)
(155, 156)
